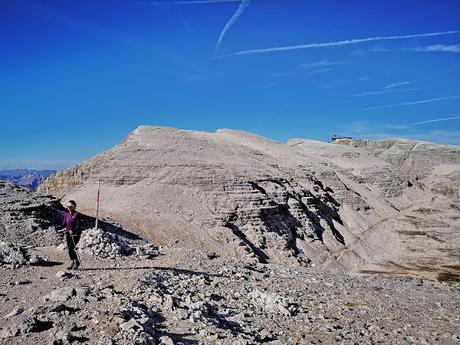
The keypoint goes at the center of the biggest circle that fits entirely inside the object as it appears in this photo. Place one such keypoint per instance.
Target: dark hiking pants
(71, 245)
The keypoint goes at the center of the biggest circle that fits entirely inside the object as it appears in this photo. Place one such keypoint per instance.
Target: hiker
(73, 232)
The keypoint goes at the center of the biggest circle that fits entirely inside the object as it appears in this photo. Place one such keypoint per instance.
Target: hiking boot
(76, 264)
(71, 265)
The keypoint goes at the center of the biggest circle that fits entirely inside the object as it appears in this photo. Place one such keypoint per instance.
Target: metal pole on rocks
(97, 202)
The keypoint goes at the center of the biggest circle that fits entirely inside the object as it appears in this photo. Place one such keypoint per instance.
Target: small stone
(48, 307)
(168, 302)
(165, 340)
(182, 314)
(61, 337)
(64, 275)
(82, 291)
(212, 255)
(14, 312)
(37, 259)
(111, 329)
(20, 324)
(60, 295)
(131, 324)
(264, 335)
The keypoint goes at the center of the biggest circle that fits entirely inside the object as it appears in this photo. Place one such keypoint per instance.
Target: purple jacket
(71, 223)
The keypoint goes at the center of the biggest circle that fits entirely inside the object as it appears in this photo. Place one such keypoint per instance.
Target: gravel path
(180, 297)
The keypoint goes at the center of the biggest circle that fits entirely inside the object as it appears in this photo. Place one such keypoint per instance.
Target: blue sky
(77, 76)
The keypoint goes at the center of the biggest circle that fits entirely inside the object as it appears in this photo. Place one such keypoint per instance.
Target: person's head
(71, 205)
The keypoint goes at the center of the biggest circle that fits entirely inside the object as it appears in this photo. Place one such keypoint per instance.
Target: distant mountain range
(30, 179)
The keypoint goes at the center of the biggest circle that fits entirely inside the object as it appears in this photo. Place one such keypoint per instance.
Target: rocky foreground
(129, 291)
(193, 297)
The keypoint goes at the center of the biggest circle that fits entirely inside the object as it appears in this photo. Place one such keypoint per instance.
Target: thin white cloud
(453, 48)
(377, 131)
(322, 70)
(380, 92)
(442, 119)
(308, 68)
(298, 74)
(401, 83)
(429, 100)
(239, 12)
(380, 49)
(340, 43)
(319, 64)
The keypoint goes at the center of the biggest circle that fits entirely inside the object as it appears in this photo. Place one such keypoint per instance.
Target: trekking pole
(97, 203)
(74, 248)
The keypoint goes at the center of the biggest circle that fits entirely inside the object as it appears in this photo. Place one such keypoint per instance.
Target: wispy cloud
(378, 131)
(429, 100)
(298, 74)
(442, 119)
(318, 71)
(340, 43)
(449, 48)
(320, 64)
(380, 92)
(401, 83)
(309, 68)
(393, 87)
(452, 48)
(239, 12)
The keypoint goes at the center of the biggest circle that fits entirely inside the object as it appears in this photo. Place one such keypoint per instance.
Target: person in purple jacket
(73, 232)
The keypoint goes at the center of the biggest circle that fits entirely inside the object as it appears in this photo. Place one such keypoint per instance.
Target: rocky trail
(192, 297)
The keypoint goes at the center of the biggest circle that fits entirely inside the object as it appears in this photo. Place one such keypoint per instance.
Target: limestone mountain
(247, 197)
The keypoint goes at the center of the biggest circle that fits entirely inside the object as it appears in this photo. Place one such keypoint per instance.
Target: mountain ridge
(252, 198)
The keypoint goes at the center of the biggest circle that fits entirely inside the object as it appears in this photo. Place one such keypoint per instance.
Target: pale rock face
(415, 159)
(246, 197)
(28, 218)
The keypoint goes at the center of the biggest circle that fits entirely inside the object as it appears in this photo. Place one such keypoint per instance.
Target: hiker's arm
(77, 224)
(60, 226)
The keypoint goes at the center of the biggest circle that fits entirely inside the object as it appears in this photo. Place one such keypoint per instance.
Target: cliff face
(247, 197)
(28, 218)
(414, 158)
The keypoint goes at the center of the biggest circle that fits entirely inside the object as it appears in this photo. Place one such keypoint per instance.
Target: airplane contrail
(240, 10)
(413, 102)
(434, 120)
(398, 84)
(338, 43)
